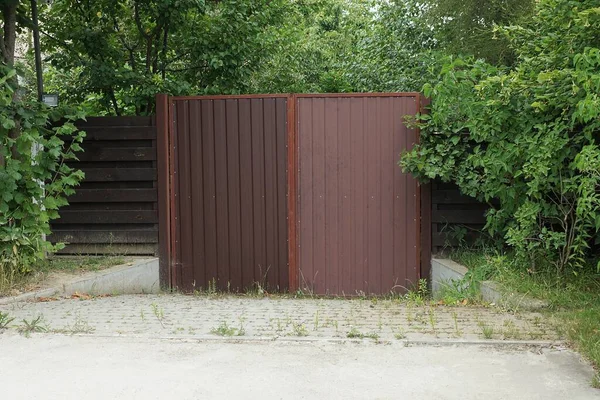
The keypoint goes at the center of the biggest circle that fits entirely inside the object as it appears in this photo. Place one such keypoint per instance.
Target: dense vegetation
(34, 178)
(514, 89)
(515, 112)
(526, 136)
(115, 55)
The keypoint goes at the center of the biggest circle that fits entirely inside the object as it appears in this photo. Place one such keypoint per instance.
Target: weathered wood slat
(113, 195)
(107, 217)
(114, 122)
(118, 154)
(111, 164)
(458, 216)
(451, 197)
(140, 249)
(119, 174)
(123, 133)
(96, 145)
(130, 206)
(151, 227)
(116, 237)
(443, 239)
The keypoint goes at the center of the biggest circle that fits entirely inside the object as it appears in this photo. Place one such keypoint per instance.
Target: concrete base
(139, 277)
(446, 272)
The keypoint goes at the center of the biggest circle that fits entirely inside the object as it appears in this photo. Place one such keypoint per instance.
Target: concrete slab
(61, 367)
(446, 272)
(136, 277)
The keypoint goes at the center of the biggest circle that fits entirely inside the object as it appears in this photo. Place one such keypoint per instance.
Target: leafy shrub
(526, 136)
(34, 176)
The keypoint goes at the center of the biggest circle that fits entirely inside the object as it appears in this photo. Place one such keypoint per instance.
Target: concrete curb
(445, 272)
(138, 277)
(504, 344)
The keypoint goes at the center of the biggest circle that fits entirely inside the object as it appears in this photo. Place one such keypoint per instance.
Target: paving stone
(175, 315)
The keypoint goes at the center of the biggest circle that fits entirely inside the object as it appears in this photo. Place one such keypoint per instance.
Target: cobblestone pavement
(176, 315)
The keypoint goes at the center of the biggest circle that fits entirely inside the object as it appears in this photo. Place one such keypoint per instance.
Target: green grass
(574, 300)
(79, 264)
(225, 330)
(356, 334)
(64, 264)
(34, 325)
(5, 320)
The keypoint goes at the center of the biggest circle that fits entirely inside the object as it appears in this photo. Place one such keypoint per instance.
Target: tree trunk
(7, 44)
(9, 32)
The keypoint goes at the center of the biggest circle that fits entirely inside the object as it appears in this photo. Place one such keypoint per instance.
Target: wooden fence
(455, 218)
(114, 210)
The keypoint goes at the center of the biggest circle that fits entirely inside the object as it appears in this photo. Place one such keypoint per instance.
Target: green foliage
(526, 136)
(225, 330)
(394, 51)
(468, 27)
(118, 54)
(36, 325)
(573, 300)
(5, 320)
(34, 178)
(311, 47)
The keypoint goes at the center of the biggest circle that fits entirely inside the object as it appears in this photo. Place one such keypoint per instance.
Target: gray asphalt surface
(51, 366)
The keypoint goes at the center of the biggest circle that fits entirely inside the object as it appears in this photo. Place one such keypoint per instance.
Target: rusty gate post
(292, 193)
(425, 188)
(164, 225)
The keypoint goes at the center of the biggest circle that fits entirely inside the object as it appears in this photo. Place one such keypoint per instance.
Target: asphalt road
(50, 366)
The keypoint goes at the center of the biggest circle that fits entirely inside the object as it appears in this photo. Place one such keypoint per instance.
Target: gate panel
(358, 214)
(229, 178)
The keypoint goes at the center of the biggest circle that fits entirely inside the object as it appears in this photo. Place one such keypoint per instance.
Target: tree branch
(63, 44)
(138, 21)
(164, 52)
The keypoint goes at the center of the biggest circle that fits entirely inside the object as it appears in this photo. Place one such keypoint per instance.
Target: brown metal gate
(358, 214)
(229, 184)
(228, 192)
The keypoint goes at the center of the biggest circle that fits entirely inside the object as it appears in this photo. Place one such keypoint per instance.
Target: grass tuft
(35, 325)
(574, 299)
(225, 330)
(356, 334)
(5, 320)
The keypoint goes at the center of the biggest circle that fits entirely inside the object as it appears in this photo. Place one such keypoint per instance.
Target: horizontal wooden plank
(113, 195)
(449, 239)
(115, 121)
(119, 174)
(122, 133)
(111, 164)
(140, 249)
(103, 227)
(107, 217)
(118, 154)
(117, 185)
(96, 145)
(110, 206)
(451, 197)
(115, 237)
(458, 216)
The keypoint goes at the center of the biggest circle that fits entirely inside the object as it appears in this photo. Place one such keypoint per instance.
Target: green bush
(34, 176)
(526, 136)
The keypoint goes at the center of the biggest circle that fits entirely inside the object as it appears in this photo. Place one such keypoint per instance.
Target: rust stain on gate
(358, 214)
(289, 192)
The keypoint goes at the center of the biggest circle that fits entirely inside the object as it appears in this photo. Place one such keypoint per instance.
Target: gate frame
(166, 144)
